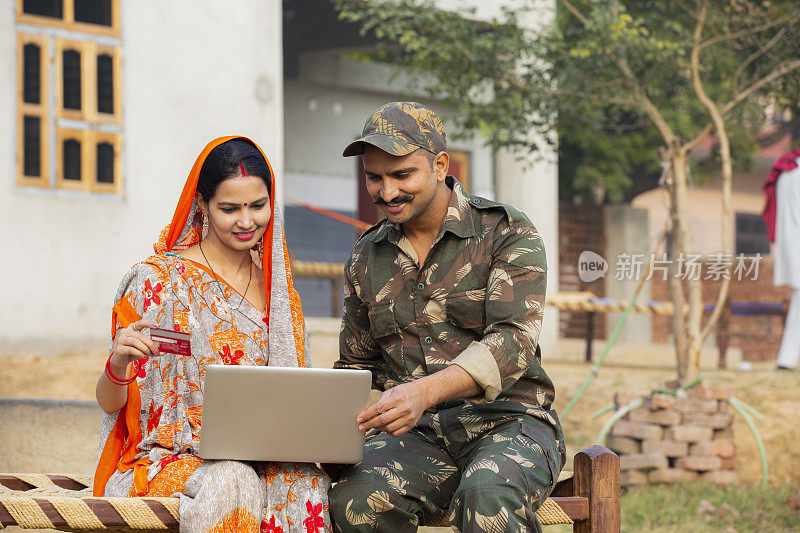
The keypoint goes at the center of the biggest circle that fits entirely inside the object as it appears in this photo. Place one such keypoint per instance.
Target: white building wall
(192, 70)
(488, 9)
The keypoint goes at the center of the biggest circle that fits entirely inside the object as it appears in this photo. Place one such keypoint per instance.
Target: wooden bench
(590, 498)
(742, 308)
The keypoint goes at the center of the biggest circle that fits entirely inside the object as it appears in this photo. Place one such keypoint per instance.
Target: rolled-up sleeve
(514, 305)
(357, 348)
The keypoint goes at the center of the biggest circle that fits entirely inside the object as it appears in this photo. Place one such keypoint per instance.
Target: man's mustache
(396, 200)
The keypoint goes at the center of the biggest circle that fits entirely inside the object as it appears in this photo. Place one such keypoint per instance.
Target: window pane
(72, 79)
(72, 160)
(105, 84)
(32, 135)
(45, 8)
(93, 11)
(751, 234)
(31, 67)
(105, 163)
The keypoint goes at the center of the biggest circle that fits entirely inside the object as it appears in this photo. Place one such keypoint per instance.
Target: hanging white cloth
(787, 229)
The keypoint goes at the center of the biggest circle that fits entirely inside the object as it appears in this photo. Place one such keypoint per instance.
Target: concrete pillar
(530, 184)
(626, 232)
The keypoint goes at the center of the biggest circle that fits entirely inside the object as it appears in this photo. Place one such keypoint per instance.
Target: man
(782, 217)
(443, 303)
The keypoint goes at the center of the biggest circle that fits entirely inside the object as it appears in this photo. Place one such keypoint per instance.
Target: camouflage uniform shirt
(477, 301)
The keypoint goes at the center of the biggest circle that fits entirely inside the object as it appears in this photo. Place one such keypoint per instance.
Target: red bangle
(119, 381)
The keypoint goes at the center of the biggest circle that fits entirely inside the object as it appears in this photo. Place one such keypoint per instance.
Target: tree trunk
(681, 243)
(698, 334)
(687, 295)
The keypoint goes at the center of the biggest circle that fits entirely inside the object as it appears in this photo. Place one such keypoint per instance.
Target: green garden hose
(596, 367)
(601, 438)
(612, 339)
(742, 408)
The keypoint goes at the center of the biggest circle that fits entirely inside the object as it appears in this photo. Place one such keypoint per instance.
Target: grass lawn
(663, 508)
(672, 508)
(678, 508)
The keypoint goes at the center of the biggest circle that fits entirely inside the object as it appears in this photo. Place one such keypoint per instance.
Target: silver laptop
(264, 413)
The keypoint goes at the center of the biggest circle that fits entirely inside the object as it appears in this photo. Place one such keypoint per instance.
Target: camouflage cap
(399, 128)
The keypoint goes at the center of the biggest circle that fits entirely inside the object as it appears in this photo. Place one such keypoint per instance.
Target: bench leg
(597, 478)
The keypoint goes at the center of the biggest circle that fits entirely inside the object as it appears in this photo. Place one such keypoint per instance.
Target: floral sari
(150, 446)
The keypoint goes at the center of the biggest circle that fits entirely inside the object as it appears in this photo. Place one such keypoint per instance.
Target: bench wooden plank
(13, 483)
(575, 507)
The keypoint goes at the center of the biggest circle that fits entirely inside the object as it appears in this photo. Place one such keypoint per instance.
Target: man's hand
(397, 410)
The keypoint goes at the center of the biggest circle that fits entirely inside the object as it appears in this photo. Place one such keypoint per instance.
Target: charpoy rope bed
(65, 502)
(46, 501)
(589, 500)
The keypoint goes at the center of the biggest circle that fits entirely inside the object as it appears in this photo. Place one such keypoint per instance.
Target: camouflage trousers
(485, 469)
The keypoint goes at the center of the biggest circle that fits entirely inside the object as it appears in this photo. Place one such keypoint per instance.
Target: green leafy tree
(678, 71)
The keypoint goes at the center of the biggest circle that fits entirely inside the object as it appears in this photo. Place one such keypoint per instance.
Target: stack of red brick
(672, 439)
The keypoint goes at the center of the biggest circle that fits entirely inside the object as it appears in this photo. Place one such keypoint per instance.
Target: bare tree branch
(785, 68)
(686, 8)
(696, 303)
(572, 9)
(649, 108)
(598, 97)
(780, 133)
(742, 33)
(755, 55)
(691, 145)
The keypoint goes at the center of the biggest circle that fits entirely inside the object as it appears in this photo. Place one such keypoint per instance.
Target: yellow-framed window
(106, 105)
(69, 89)
(72, 158)
(73, 79)
(88, 160)
(88, 82)
(33, 60)
(106, 151)
(100, 17)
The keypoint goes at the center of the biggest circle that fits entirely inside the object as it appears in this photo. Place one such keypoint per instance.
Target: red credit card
(169, 341)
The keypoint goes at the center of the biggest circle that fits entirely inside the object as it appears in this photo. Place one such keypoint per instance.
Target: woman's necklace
(216, 278)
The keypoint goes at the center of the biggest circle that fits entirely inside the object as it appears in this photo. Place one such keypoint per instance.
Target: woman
(221, 274)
